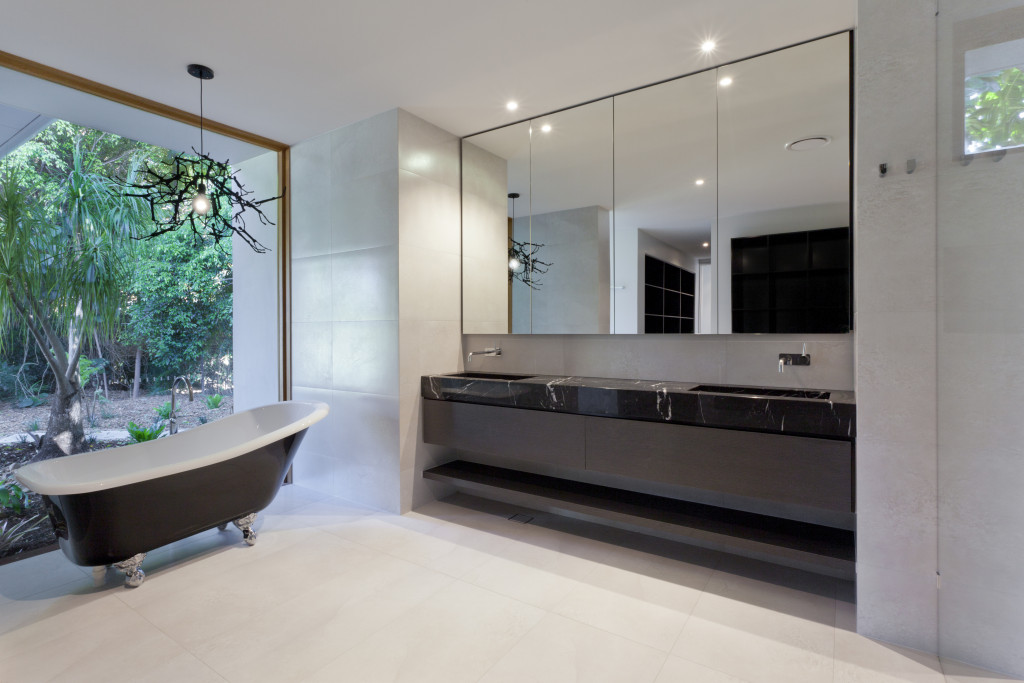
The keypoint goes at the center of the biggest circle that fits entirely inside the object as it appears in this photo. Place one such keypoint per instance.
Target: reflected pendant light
(198, 192)
(523, 264)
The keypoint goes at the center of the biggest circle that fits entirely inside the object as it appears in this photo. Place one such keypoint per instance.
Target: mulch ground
(115, 413)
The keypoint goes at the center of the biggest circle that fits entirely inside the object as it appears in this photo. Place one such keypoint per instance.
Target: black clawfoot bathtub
(113, 506)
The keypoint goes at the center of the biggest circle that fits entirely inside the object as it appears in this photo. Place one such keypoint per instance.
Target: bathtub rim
(45, 477)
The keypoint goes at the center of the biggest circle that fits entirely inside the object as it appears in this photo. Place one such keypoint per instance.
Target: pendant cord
(202, 148)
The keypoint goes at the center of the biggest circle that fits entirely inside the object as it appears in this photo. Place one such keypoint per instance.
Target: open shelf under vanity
(812, 547)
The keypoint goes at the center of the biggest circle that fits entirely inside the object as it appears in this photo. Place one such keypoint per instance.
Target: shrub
(32, 401)
(11, 531)
(13, 497)
(32, 426)
(213, 402)
(140, 434)
(203, 419)
(164, 411)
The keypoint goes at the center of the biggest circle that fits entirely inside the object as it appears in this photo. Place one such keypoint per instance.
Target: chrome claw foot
(245, 524)
(133, 574)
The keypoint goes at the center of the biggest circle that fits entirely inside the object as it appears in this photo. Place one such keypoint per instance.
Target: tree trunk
(138, 372)
(99, 352)
(65, 432)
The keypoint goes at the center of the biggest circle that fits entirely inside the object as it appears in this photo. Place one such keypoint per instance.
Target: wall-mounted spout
(794, 359)
(494, 351)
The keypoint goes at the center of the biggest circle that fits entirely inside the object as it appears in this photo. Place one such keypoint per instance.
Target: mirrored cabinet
(713, 203)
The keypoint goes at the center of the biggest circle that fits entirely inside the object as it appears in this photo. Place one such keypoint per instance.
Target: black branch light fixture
(523, 264)
(199, 192)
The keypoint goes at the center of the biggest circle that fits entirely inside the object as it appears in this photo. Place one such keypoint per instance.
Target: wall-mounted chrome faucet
(794, 359)
(494, 351)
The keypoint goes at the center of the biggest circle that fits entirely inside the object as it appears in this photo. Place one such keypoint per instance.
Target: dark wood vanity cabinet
(795, 470)
(792, 470)
(776, 497)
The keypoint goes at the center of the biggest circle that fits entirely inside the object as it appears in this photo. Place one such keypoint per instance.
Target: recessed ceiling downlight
(812, 142)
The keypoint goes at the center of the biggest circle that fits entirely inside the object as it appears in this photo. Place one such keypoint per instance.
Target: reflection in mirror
(492, 165)
(994, 97)
(783, 182)
(568, 224)
(665, 193)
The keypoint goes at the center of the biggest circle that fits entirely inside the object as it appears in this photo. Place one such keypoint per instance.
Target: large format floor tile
(455, 591)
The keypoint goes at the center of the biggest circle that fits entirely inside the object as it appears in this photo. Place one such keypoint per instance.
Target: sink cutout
(509, 376)
(762, 391)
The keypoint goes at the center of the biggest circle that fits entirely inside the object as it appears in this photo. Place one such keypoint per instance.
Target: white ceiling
(291, 70)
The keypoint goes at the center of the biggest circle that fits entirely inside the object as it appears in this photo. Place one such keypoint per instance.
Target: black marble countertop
(723, 406)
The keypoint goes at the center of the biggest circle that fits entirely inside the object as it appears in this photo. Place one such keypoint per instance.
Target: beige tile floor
(453, 592)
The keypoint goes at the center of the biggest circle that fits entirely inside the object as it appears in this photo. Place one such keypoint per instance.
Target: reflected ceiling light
(546, 128)
(705, 244)
(698, 181)
(812, 142)
(725, 82)
(708, 46)
(197, 191)
(511, 105)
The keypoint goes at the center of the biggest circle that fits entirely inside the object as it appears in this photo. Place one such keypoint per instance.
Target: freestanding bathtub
(113, 506)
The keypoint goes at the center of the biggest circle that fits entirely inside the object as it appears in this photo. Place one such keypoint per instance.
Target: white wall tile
(311, 355)
(427, 150)
(364, 148)
(365, 357)
(982, 626)
(311, 289)
(310, 191)
(429, 284)
(428, 213)
(364, 211)
(365, 284)
(898, 605)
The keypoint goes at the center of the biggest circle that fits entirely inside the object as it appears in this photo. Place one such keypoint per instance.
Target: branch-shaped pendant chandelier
(523, 264)
(199, 192)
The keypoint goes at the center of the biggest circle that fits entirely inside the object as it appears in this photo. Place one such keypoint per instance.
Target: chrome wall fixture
(198, 191)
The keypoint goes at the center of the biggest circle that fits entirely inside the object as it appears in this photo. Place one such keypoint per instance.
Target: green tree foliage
(993, 110)
(179, 303)
(65, 253)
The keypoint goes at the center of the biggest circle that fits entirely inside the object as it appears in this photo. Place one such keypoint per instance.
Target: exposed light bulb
(546, 128)
(725, 82)
(511, 105)
(201, 203)
(707, 46)
(698, 181)
(706, 245)
(514, 265)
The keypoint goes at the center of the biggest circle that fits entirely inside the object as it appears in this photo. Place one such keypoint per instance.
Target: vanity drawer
(555, 439)
(784, 469)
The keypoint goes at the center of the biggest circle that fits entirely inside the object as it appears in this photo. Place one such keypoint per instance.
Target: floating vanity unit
(767, 473)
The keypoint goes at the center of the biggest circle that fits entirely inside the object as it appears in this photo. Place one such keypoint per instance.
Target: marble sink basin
(762, 391)
(502, 376)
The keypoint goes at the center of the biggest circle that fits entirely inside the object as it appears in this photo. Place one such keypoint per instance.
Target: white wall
(485, 247)
(572, 296)
(980, 366)
(256, 291)
(345, 308)
(748, 359)
(430, 280)
(375, 281)
(895, 297)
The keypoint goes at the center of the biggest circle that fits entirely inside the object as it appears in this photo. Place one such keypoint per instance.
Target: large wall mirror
(710, 204)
